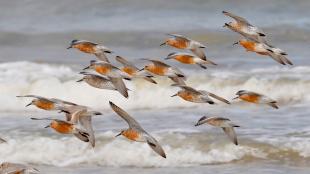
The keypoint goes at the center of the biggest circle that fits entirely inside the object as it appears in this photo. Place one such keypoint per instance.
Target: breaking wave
(198, 149)
(286, 85)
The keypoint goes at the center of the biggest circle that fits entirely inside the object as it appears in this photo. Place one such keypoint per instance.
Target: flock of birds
(102, 74)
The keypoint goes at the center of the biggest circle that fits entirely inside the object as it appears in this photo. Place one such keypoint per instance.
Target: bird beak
(80, 80)
(225, 25)
(167, 58)
(174, 95)
(236, 43)
(141, 70)
(118, 134)
(86, 68)
(236, 98)
(163, 44)
(69, 47)
(47, 126)
(28, 104)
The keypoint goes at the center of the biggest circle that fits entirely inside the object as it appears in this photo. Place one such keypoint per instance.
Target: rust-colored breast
(157, 70)
(128, 70)
(187, 96)
(187, 59)
(250, 98)
(46, 105)
(181, 44)
(102, 69)
(86, 48)
(248, 45)
(62, 127)
(131, 134)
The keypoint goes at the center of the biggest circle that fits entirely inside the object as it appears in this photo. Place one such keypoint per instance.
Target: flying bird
(182, 42)
(97, 81)
(47, 103)
(159, 68)
(197, 96)
(114, 74)
(135, 132)
(85, 46)
(72, 126)
(133, 71)
(82, 115)
(190, 59)
(265, 49)
(224, 123)
(257, 98)
(243, 27)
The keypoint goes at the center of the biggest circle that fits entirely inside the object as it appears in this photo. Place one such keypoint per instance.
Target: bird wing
(286, 60)
(178, 80)
(157, 62)
(215, 96)
(101, 56)
(230, 132)
(201, 121)
(153, 143)
(131, 121)
(100, 82)
(187, 88)
(199, 52)
(75, 116)
(237, 18)
(33, 118)
(86, 42)
(119, 86)
(34, 96)
(86, 122)
(149, 79)
(2, 140)
(276, 57)
(124, 62)
(55, 100)
(179, 37)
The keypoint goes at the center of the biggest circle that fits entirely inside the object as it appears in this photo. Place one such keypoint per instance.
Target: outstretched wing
(276, 58)
(131, 121)
(120, 86)
(157, 62)
(187, 88)
(237, 18)
(101, 56)
(34, 96)
(215, 96)
(229, 131)
(2, 140)
(178, 80)
(55, 100)
(152, 142)
(86, 122)
(179, 37)
(199, 52)
(124, 62)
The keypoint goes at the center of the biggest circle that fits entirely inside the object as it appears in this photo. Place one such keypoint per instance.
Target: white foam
(115, 152)
(290, 85)
(296, 144)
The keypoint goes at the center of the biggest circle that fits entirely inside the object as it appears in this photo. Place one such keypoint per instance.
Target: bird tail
(273, 104)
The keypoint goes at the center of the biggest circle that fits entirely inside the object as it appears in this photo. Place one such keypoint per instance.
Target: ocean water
(34, 60)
